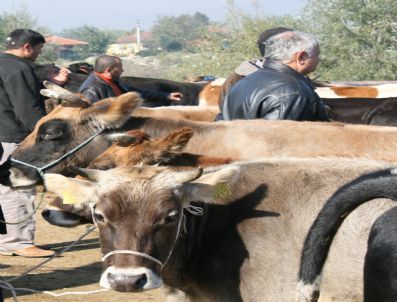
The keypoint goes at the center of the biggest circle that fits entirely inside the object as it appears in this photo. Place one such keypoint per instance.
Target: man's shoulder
(11, 68)
(246, 68)
(91, 81)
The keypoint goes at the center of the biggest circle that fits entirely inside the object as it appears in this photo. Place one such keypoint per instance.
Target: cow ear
(114, 112)
(71, 190)
(130, 138)
(177, 140)
(212, 187)
(169, 147)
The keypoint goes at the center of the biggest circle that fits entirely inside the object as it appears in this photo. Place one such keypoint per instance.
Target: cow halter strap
(198, 211)
(55, 162)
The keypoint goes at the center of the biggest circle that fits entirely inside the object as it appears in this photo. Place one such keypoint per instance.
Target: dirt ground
(76, 270)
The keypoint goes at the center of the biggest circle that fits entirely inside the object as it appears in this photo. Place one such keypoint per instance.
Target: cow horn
(188, 176)
(90, 174)
(57, 92)
(52, 86)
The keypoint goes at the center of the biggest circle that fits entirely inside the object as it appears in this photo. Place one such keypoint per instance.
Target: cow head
(129, 149)
(67, 126)
(141, 210)
(135, 147)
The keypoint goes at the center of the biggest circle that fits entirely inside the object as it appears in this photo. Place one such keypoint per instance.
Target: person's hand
(60, 77)
(176, 96)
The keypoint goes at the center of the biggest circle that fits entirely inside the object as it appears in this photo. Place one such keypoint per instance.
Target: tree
(175, 33)
(20, 18)
(98, 40)
(222, 51)
(358, 38)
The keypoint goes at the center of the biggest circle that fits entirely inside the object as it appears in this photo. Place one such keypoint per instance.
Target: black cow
(380, 274)
(368, 111)
(190, 91)
(380, 280)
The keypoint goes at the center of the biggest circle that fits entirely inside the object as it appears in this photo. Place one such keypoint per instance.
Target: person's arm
(22, 88)
(271, 108)
(152, 96)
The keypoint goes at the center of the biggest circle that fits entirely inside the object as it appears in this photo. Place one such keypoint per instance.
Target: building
(130, 45)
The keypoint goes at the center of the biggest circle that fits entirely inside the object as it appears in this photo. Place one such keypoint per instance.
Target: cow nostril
(125, 283)
(45, 214)
(141, 282)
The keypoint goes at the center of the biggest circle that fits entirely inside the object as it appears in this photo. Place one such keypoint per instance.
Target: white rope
(8, 286)
(132, 253)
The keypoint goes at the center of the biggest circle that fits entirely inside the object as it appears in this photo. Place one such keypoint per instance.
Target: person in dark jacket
(280, 90)
(247, 67)
(21, 106)
(104, 82)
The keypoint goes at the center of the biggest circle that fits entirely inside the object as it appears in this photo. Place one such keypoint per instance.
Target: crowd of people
(272, 87)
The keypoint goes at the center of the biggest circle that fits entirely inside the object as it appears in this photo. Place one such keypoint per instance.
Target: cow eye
(51, 134)
(172, 217)
(99, 218)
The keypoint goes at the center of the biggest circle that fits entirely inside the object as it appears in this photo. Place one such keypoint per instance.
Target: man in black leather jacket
(104, 82)
(279, 91)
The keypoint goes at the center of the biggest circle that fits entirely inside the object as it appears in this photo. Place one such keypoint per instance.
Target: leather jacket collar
(286, 69)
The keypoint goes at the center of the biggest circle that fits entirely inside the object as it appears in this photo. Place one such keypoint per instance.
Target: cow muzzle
(130, 280)
(63, 218)
(19, 179)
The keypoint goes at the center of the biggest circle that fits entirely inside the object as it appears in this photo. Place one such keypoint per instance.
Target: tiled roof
(63, 41)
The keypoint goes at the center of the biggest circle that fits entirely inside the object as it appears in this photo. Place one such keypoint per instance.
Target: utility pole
(138, 35)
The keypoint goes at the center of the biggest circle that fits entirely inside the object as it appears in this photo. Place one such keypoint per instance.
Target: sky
(123, 14)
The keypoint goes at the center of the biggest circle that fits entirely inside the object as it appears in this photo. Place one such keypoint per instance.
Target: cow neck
(194, 230)
(41, 170)
(158, 126)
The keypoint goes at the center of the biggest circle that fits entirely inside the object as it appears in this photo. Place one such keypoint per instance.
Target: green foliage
(220, 52)
(358, 38)
(49, 54)
(20, 18)
(98, 40)
(175, 33)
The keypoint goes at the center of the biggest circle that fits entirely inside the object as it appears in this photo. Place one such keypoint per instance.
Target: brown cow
(192, 113)
(131, 149)
(245, 243)
(66, 127)
(379, 91)
(136, 148)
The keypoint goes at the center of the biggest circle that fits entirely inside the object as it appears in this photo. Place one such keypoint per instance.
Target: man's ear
(301, 57)
(27, 48)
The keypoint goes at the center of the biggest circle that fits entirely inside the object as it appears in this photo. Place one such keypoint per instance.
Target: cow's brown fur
(192, 113)
(356, 92)
(247, 245)
(209, 95)
(166, 150)
(240, 139)
(133, 149)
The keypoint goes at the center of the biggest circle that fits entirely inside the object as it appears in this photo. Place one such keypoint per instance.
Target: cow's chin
(130, 279)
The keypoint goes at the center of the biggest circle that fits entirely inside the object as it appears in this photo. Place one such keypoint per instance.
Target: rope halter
(194, 210)
(41, 170)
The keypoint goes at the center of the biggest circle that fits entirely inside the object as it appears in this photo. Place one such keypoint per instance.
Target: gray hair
(283, 46)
